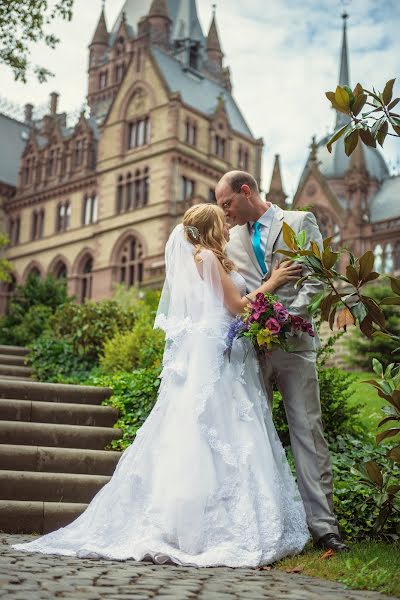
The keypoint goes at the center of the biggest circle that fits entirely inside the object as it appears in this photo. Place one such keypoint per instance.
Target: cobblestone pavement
(26, 576)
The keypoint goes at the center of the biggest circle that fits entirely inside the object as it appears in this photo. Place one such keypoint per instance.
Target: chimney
(53, 103)
(28, 113)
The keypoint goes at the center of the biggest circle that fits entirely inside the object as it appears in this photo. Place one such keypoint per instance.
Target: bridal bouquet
(268, 324)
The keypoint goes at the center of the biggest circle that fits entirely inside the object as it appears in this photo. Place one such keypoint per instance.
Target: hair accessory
(194, 232)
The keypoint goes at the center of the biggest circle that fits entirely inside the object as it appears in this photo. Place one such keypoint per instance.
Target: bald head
(238, 195)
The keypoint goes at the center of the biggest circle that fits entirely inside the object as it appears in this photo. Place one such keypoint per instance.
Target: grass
(371, 413)
(373, 566)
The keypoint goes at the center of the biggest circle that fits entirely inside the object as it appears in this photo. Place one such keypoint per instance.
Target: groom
(257, 235)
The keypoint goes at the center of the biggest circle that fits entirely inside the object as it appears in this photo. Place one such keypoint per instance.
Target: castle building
(355, 199)
(96, 202)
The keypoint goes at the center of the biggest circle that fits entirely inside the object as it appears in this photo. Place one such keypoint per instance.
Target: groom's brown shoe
(331, 541)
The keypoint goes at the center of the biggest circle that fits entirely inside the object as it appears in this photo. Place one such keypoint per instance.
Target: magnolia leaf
(325, 306)
(374, 473)
(377, 125)
(393, 103)
(392, 490)
(329, 258)
(342, 98)
(359, 312)
(288, 236)
(316, 250)
(336, 136)
(390, 301)
(327, 241)
(394, 454)
(367, 137)
(301, 238)
(388, 433)
(375, 312)
(393, 417)
(315, 302)
(395, 284)
(350, 93)
(359, 104)
(382, 133)
(289, 253)
(358, 90)
(335, 105)
(371, 277)
(344, 319)
(352, 275)
(351, 142)
(388, 91)
(377, 367)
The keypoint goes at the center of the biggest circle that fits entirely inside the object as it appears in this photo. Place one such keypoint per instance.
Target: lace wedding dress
(206, 481)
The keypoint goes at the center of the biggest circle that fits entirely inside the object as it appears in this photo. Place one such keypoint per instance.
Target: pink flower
(273, 325)
(281, 314)
(297, 322)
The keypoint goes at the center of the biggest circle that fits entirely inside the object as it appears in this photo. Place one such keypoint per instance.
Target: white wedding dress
(206, 481)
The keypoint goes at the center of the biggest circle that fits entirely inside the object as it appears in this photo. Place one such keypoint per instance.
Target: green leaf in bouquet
(388, 91)
(301, 238)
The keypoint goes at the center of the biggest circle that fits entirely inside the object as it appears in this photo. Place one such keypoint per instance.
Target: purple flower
(281, 314)
(273, 325)
(235, 327)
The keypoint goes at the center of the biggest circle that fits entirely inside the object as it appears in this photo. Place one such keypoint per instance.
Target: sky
(283, 55)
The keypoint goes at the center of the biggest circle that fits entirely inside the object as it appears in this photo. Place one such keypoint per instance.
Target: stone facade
(96, 203)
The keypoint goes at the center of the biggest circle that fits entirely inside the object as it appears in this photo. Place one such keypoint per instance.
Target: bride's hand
(283, 273)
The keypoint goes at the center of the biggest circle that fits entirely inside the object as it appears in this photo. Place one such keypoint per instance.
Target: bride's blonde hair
(209, 221)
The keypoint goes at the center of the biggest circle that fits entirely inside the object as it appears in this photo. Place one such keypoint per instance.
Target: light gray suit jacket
(296, 300)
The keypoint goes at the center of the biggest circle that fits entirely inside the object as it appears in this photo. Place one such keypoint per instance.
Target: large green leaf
(329, 258)
(388, 91)
(395, 284)
(359, 104)
(388, 433)
(382, 133)
(351, 142)
(288, 236)
(394, 454)
(391, 301)
(336, 136)
(359, 312)
(374, 473)
(367, 137)
(342, 98)
(352, 275)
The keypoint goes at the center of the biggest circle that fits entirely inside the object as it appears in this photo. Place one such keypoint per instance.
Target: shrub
(55, 361)
(356, 506)
(29, 311)
(338, 416)
(361, 349)
(140, 348)
(134, 395)
(87, 326)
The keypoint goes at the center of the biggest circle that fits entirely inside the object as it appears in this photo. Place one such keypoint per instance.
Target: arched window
(138, 189)
(50, 163)
(129, 192)
(33, 272)
(78, 152)
(86, 279)
(388, 263)
(37, 224)
(40, 224)
(14, 230)
(139, 133)
(60, 270)
(378, 258)
(146, 186)
(130, 263)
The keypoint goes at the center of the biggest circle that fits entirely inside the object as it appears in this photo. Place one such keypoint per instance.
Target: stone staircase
(52, 440)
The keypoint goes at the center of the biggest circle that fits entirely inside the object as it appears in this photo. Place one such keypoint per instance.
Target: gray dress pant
(296, 376)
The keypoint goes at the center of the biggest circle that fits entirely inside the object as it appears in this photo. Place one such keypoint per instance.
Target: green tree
(5, 265)
(23, 23)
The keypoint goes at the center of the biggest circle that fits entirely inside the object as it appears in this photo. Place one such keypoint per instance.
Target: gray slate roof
(13, 137)
(198, 91)
(336, 164)
(386, 203)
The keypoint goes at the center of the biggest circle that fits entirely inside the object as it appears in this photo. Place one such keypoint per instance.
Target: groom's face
(234, 204)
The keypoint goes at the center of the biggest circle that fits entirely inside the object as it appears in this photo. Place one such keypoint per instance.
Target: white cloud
(283, 55)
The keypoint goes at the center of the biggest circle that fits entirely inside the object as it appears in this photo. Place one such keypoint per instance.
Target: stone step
(9, 359)
(64, 436)
(58, 460)
(53, 392)
(14, 350)
(13, 378)
(24, 516)
(60, 412)
(15, 371)
(50, 487)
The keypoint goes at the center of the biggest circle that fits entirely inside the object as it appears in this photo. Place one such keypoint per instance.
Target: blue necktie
(257, 247)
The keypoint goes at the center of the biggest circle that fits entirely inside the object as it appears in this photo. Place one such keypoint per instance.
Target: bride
(206, 481)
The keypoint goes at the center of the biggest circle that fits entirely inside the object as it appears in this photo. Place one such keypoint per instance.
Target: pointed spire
(276, 192)
(344, 73)
(213, 43)
(101, 33)
(159, 8)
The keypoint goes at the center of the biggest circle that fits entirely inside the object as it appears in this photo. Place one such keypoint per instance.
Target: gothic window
(38, 174)
(50, 163)
(40, 223)
(34, 224)
(78, 152)
(33, 272)
(26, 172)
(89, 209)
(388, 258)
(190, 132)
(60, 270)
(243, 158)
(119, 48)
(397, 257)
(130, 263)
(63, 162)
(138, 189)
(120, 194)
(129, 192)
(63, 216)
(86, 277)
(378, 258)
(119, 72)
(103, 80)
(14, 230)
(187, 188)
(219, 146)
(146, 185)
(139, 133)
